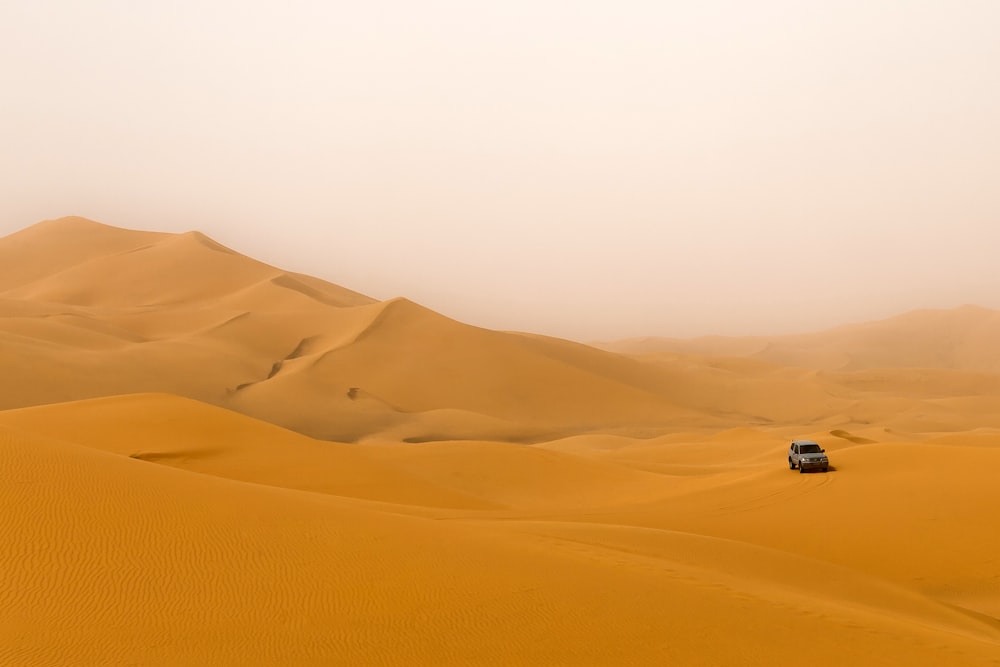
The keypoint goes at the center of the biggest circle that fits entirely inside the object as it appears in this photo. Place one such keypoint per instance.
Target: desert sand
(205, 459)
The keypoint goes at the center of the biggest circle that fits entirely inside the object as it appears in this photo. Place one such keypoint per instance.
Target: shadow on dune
(821, 472)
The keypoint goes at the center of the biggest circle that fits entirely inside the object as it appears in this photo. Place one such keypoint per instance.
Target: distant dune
(962, 338)
(208, 460)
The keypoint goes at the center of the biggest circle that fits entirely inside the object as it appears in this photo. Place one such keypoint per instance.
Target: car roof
(804, 442)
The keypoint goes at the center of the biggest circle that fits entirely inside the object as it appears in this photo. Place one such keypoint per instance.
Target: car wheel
(791, 466)
(825, 469)
(801, 469)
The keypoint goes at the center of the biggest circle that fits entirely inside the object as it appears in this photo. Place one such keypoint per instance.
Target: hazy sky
(588, 169)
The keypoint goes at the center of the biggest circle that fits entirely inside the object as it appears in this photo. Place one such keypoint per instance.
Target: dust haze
(598, 172)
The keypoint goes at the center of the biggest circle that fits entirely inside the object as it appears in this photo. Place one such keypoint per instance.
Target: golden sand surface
(208, 460)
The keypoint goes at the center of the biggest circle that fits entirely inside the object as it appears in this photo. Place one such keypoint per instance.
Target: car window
(809, 449)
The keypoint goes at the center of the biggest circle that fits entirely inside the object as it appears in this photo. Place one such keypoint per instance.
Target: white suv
(807, 455)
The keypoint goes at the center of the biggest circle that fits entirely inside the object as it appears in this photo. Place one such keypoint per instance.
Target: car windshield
(809, 449)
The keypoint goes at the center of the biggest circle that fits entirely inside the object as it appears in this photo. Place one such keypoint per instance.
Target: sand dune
(196, 437)
(960, 338)
(181, 314)
(104, 552)
(53, 246)
(208, 460)
(89, 310)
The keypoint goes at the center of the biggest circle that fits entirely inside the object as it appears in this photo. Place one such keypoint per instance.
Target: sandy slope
(475, 497)
(165, 559)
